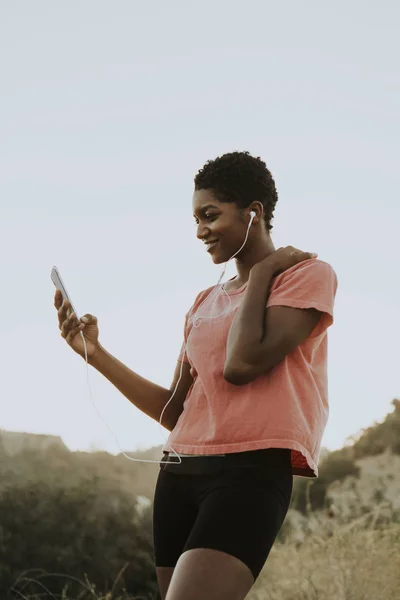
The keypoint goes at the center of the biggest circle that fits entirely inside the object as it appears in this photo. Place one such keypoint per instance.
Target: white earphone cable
(214, 292)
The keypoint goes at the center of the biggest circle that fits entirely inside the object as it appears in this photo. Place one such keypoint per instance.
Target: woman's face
(219, 222)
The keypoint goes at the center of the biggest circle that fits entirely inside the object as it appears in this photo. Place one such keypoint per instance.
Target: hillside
(357, 481)
(88, 516)
(361, 474)
(47, 459)
(13, 442)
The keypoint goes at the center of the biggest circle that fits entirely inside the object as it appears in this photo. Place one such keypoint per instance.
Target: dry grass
(356, 562)
(87, 591)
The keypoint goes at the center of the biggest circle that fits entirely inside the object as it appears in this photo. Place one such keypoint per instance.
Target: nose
(202, 233)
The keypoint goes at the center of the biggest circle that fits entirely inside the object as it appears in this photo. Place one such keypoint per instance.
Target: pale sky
(108, 110)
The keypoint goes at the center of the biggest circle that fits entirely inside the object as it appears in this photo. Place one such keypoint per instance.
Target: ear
(258, 209)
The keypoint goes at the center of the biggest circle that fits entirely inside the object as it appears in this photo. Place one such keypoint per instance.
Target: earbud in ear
(252, 214)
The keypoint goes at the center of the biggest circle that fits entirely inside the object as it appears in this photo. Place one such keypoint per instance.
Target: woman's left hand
(284, 258)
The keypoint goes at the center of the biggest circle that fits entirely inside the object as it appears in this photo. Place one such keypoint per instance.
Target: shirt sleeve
(309, 284)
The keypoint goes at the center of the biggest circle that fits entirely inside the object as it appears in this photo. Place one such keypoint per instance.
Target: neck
(261, 248)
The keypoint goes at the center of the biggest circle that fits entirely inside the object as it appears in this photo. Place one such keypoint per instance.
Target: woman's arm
(246, 333)
(260, 338)
(147, 396)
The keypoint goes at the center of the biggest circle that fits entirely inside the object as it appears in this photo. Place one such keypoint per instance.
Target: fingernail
(84, 319)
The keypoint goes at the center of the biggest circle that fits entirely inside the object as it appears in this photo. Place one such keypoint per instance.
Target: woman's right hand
(71, 327)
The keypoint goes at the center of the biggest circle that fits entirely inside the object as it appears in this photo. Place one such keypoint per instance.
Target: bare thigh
(205, 573)
(164, 576)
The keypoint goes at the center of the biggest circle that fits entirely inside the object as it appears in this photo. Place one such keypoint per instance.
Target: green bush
(380, 436)
(335, 467)
(85, 530)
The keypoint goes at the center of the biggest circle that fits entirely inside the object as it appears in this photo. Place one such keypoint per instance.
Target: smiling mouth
(211, 245)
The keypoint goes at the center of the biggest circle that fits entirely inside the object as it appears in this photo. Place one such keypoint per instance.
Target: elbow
(243, 374)
(237, 376)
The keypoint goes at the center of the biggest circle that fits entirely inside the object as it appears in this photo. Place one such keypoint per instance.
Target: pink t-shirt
(285, 408)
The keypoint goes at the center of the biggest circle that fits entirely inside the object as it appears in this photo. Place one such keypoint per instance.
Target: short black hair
(240, 178)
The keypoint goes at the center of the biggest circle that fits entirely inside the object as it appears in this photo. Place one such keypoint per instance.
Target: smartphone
(58, 282)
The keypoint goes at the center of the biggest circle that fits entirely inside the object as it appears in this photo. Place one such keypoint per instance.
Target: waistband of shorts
(246, 453)
(271, 457)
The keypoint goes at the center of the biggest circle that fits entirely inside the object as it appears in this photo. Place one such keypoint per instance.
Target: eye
(209, 217)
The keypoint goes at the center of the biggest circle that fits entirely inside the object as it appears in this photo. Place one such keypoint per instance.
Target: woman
(251, 403)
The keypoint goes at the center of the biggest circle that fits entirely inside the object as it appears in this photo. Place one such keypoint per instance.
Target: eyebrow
(206, 207)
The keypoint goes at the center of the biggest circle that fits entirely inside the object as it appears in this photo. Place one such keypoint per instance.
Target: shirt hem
(201, 450)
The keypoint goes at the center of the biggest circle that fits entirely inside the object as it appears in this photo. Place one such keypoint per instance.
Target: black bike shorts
(235, 503)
